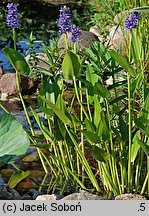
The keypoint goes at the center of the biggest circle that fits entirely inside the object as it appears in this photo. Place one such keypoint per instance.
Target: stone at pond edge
(85, 39)
(7, 193)
(117, 39)
(32, 194)
(1, 72)
(7, 173)
(47, 197)
(130, 197)
(26, 184)
(82, 195)
(8, 85)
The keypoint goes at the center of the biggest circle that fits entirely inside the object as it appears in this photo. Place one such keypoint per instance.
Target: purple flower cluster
(65, 24)
(132, 20)
(64, 20)
(12, 17)
(75, 32)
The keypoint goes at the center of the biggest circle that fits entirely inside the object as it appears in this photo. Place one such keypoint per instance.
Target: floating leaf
(13, 138)
(17, 177)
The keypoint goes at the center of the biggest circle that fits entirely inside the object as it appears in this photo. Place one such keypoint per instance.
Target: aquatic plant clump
(64, 19)
(132, 20)
(12, 17)
(75, 32)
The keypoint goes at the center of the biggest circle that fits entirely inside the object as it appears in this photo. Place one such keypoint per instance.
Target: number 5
(142, 206)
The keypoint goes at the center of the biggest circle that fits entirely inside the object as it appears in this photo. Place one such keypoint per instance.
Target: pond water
(39, 18)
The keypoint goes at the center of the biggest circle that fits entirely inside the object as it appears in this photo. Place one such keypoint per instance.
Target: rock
(47, 197)
(7, 193)
(117, 39)
(28, 86)
(33, 157)
(115, 33)
(130, 197)
(36, 61)
(7, 173)
(1, 72)
(82, 195)
(85, 39)
(26, 184)
(121, 16)
(8, 85)
(32, 194)
(57, 2)
(95, 30)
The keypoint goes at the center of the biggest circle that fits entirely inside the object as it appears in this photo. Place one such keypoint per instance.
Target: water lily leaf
(122, 62)
(70, 66)
(13, 138)
(17, 177)
(17, 60)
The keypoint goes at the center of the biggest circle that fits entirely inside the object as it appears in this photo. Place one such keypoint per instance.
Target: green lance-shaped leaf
(17, 60)
(136, 46)
(101, 90)
(140, 9)
(91, 137)
(17, 177)
(122, 62)
(58, 112)
(144, 146)
(14, 140)
(70, 66)
(100, 155)
(145, 109)
(91, 76)
(135, 147)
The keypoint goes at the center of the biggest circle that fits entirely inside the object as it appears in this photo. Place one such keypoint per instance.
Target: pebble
(7, 193)
(32, 194)
(47, 197)
(82, 195)
(130, 197)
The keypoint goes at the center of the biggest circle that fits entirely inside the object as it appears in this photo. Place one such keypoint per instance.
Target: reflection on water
(14, 106)
(22, 47)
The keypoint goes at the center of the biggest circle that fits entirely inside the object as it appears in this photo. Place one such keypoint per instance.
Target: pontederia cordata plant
(109, 121)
